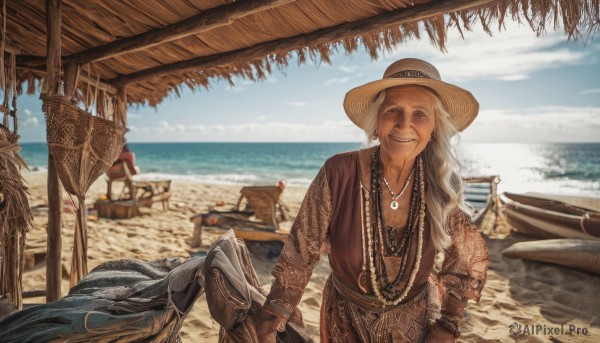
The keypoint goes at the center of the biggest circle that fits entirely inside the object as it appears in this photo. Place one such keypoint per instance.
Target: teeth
(402, 139)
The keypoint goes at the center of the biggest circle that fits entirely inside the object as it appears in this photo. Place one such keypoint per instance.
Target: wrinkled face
(406, 122)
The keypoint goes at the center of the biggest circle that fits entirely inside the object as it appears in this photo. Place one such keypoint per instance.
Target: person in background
(128, 158)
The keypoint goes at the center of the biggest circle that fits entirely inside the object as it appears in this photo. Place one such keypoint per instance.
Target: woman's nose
(402, 121)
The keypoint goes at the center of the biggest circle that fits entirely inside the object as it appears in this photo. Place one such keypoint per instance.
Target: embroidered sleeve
(464, 270)
(307, 243)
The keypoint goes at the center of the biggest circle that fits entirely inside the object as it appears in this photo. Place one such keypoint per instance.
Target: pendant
(394, 205)
(363, 283)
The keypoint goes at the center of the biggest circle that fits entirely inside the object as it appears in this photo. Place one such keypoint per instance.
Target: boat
(580, 254)
(553, 216)
(481, 194)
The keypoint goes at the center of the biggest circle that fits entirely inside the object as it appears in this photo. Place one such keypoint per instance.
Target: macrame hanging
(15, 214)
(83, 147)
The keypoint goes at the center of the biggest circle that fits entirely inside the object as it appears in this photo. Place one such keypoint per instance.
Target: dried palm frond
(15, 217)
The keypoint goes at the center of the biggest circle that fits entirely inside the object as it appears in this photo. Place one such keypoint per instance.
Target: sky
(530, 89)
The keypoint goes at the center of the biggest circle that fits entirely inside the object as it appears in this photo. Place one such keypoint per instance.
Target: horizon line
(322, 142)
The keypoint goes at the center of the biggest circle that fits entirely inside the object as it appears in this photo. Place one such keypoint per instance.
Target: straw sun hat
(461, 104)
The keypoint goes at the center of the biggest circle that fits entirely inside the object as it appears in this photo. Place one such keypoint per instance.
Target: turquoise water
(550, 168)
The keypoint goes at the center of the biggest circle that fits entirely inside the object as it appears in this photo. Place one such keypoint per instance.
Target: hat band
(409, 74)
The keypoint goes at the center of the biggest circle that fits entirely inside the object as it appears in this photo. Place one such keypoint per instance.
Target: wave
(231, 179)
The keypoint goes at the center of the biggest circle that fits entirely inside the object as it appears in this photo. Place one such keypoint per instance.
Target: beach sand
(522, 292)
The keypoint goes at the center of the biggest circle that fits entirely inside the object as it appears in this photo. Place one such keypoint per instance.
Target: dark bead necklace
(378, 222)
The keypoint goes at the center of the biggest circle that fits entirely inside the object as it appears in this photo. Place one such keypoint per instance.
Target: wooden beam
(54, 242)
(323, 36)
(202, 22)
(11, 49)
(35, 293)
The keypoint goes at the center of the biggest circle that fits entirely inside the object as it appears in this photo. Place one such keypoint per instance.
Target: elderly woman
(381, 214)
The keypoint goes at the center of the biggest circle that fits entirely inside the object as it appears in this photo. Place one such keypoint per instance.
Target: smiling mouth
(402, 140)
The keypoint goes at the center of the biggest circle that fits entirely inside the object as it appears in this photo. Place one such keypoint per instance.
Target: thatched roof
(156, 47)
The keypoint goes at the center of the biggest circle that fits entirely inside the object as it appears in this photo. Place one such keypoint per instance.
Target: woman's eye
(419, 114)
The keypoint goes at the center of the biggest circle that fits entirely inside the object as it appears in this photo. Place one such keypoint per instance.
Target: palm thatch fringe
(15, 217)
(580, 19)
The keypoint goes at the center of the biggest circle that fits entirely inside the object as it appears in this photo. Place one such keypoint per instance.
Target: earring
(375, 135)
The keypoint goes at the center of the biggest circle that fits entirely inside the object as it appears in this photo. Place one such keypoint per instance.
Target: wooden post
(71, 78)
(54, 243)
(121, 110)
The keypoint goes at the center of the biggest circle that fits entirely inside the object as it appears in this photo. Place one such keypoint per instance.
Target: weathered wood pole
(121, 110)
(54, 242)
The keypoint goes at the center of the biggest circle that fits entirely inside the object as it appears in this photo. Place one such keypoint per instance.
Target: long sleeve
(307, 243)
(464, 270)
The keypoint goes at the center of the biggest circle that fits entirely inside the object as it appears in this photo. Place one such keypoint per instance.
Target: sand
(521, 292)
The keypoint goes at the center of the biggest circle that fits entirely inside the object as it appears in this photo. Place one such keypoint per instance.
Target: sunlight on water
(541, 168)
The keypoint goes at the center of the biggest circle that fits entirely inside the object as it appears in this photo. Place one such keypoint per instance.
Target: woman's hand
(265, 325)
(265, 334)
(438, 334)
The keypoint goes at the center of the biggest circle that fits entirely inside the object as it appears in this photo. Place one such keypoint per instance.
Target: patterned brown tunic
(329, 222)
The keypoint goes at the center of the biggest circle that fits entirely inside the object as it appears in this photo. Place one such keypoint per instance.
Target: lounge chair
(256, 216)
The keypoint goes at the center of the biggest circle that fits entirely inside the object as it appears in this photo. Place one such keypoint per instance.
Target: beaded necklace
(388, 295)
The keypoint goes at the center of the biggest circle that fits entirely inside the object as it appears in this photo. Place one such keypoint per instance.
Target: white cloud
(305, 104)
(235, 89)
(590, 91)
(536, 124)
(164, 127)
(298, 103)
(261, 117)
(131, 115)
(511, 54)
(274, 131)
(29, 118)
(337, 81)
(349, 69)
(513, 77)
(32, 121)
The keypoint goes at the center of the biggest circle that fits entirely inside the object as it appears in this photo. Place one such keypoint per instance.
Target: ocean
(557, 168)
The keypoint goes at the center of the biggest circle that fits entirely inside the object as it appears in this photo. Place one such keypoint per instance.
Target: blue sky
(530, 89)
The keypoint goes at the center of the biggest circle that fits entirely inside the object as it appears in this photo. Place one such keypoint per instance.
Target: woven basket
(83, 147)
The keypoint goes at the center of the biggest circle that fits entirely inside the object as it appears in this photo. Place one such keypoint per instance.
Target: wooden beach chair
(133, 194)
(256, 216)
